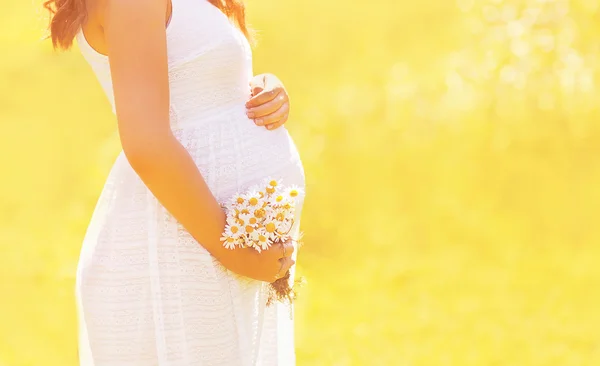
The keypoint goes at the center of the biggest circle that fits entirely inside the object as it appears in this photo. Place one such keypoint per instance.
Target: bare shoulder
(93, 28)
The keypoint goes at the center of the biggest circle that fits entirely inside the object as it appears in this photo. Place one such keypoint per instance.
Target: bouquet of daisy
(261, 217)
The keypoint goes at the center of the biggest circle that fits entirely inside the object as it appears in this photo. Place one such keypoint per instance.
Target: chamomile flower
(237, 199)
(293, 192)
(279, 216)
(288, 209)
(233, 231)
(263, 240)
(271, 186)
(228, 242)
(270, 227)
(243, 209)
(253, 199)
(260, 213)
(279, 199)
(273, 183)
(271, 235)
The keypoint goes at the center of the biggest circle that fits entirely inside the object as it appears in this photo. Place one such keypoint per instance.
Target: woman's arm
(137, 47)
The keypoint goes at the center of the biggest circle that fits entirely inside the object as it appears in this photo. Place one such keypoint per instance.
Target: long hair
(68, 16)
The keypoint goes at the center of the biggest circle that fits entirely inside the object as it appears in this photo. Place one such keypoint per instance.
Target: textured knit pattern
(148, 293)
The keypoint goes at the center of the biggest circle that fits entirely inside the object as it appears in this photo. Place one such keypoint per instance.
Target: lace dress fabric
(148, 293)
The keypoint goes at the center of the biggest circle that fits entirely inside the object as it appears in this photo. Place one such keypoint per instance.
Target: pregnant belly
(233, 154)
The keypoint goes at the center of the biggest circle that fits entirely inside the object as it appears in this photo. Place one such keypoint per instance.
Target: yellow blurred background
(452, 151)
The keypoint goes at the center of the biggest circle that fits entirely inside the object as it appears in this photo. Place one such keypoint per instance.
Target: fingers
(278, 124)
(279, 117)
(280, 250)
(280, 259)
(259, 100)
(288, 248)
(285, 263)
(256, 90)
(257, 84)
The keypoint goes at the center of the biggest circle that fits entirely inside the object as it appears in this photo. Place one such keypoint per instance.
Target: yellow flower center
(240, 222)
(252, 220)
(235, 229)
(240, 200)
(245, 211)
(270, 190)
(287, 206)
(279, 198)
(230, 240)
(280, 217)
(273, 183)
(270, 227)
(259, 213)
(253, 201)
(249, 229)
(262, 238)
(293, 193)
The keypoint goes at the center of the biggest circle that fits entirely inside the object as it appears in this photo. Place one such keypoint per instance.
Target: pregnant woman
(154, 284)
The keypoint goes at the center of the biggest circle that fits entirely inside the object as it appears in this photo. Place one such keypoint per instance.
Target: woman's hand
(269, 105)
(268, 265)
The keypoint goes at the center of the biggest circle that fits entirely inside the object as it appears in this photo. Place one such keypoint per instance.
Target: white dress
(147, 293)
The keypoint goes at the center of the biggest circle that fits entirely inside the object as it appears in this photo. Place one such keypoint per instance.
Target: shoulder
(96, 17)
